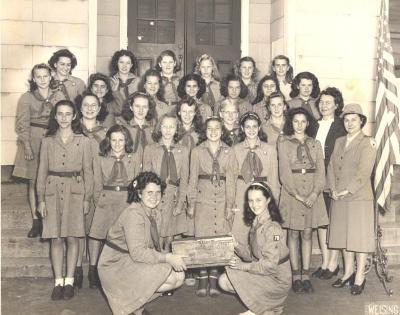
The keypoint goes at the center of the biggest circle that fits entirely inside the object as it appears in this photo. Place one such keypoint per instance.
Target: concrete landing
(32, 296)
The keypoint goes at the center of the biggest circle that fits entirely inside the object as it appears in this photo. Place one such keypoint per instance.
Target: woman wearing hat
(352, 215)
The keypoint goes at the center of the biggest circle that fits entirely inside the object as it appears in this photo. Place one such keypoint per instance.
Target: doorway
(187, 27)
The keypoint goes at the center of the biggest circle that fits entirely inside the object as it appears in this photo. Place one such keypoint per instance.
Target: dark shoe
(339, 283)
(213, 280)
(58, 293)
(78, 278)
(36, 229)
(93, 277)
(357, 289)
(168, 293)
(329, 274)
(68, 292)
(203, 284)
(307, 286)
(297, 286)
(190, 279)
(319, 272)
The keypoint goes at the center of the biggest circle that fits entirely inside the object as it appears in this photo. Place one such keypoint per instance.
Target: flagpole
(379, 258)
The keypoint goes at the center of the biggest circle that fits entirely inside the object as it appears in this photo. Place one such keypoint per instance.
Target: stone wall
(108, 32)
(31, 30)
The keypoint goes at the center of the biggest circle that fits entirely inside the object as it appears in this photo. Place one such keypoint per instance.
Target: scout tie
(118, 173)
(154, 233)
(140, 138)
(93, 133)
(168, 166)
(216, 175)
(303, 147)
(125, 86)
(208, 96)
(188, 140)
(168, 82)
(252, 166)
(46, 105)
(58, 84)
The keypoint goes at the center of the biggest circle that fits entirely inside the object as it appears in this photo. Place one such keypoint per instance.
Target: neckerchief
(188, 140)
(167, 82)
(59, 85)
(252, 165)
(168, 165)
(300, 148)
(46, 105)
(93, 133)
(118, 172)
(125, 85)
(140, 137)
(216, 171)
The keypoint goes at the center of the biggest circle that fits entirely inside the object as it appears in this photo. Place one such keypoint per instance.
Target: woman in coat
(252, 159)
(330, 127)
(302, 174)
(167, 157)
(229, 113)
(352, 215)
(132, 269)
(262, 276)
(207, 194)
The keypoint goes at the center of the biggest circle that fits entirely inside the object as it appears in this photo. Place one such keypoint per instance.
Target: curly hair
(233, 77)
(157, 135)
(62, 53)
(32, 84)
(337, 97)
(260, 92)
(115, 58)
(105, 144)
(152, 73)
(140, 182)
(289, 72)
(53, 124)
(288, 126)
(203, 133)
(215, 72)
(201, 83)
(197, 119)
(236, 67)
(308, 76)
(251, 116)
(273, 209)
(101, 116)
(169, 53)
(101, 77)
(127, 112)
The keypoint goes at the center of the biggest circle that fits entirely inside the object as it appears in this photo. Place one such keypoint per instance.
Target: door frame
(244, 26)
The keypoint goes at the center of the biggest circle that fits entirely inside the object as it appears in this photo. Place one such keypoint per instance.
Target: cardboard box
(205, 251)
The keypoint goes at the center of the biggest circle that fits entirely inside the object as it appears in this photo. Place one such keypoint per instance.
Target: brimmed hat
(353, 109)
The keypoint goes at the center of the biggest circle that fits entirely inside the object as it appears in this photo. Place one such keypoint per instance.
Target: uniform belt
(43, 126)
(304, 170)
(283, 260)
(210, 177)
(116, 247)
(116, 188)
(258, 179)
(64, 174)
(176, 184)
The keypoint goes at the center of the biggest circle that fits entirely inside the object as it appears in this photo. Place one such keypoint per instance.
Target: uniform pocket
(50, 188)
(77, 187)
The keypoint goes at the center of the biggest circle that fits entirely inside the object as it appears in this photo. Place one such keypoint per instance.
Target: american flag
(386, 113)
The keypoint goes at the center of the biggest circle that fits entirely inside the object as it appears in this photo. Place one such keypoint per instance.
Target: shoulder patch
(373, 142)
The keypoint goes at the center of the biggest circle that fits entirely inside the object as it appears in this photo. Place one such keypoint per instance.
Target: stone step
(15, 267)
(15, 243)
(14, 188)
(15, 219)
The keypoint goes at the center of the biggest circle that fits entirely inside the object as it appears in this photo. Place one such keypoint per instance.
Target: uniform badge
(277, 237)
(373, 142)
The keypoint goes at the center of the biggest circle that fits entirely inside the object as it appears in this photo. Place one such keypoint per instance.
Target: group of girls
(206, 139)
